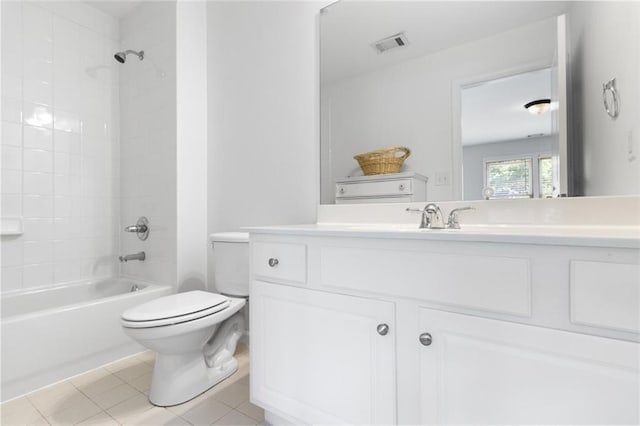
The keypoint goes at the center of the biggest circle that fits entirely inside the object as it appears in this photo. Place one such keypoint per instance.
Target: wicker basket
(383, 161)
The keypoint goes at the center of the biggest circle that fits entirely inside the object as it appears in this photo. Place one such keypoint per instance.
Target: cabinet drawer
(498, 284)
(280, 261)
(606, 295)
(374, 189)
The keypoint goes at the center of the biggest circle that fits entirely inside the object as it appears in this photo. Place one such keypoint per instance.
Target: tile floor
(116, 394)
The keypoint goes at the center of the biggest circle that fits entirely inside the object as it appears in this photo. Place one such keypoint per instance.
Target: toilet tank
(231, 262)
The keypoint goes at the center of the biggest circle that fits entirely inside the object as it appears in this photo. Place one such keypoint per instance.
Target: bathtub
(57, 332)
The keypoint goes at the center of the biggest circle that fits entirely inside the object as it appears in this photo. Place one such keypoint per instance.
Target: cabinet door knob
(382, 329)
(426, 339)
(273, 262)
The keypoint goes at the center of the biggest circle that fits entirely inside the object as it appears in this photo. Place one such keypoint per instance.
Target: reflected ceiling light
(539, 106)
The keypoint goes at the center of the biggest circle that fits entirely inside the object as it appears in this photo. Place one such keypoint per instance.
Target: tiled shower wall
(60, 144)
(148, 139)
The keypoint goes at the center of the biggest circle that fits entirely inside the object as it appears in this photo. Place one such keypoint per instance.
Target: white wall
(411, 104)
(148, 139)
(473, 160)
(191, 81)
(263, 107)
(60, 149)
(605, 43)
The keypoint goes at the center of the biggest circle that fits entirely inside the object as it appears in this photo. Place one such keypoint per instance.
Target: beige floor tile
(101, 419)
(234, 395)
(130, 409)
(115, 396)
(134, 371)
(19, 411)
(142, 383)
(82, 380)
(75, 410)
(206, 412)
(100, 385)
(251, 410)
(235, 418)
(186, 406)
(49, 401)
(158, 416)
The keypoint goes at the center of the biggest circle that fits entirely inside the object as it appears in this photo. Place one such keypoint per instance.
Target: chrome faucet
(431, 217)
(138, 256)
(452, 221)
(141, 228)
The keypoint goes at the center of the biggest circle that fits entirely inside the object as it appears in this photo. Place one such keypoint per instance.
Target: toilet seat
(175, 309)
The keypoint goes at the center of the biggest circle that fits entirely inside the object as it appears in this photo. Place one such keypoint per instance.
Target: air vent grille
(393, 42)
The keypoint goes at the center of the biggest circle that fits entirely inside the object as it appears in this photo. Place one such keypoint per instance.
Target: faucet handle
(452, 221)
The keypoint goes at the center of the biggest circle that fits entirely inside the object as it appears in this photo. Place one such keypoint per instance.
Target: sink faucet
(431, 217)
(138, 256)
(452, 221)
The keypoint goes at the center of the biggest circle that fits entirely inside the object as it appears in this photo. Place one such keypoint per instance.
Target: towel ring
(610, 86)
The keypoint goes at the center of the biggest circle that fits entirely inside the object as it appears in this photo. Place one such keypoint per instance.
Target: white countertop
(567, 235)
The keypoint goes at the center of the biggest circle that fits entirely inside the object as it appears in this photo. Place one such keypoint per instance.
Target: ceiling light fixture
(539, 106)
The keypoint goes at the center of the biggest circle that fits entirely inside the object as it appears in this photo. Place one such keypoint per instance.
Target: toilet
(194, 334)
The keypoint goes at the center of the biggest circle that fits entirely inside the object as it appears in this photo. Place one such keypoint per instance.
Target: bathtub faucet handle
(141, 228)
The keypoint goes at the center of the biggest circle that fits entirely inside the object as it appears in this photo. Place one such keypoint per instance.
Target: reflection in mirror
(417, 95)
(507, 149)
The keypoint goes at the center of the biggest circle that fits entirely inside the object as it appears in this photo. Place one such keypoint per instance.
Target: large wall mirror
(450, 81)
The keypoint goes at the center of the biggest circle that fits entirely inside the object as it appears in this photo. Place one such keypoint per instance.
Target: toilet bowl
(195, 333)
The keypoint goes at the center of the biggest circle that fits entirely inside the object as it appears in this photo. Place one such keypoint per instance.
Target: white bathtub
(54, 333)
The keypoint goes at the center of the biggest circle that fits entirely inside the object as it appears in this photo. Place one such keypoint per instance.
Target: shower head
(122, 56)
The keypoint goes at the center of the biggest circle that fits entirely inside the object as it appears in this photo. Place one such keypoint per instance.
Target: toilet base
(178, 378)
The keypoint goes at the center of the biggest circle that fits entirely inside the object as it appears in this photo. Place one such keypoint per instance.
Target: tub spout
(138, 256)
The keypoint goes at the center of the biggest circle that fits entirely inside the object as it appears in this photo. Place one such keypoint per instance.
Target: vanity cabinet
(321, 357)
(484, 371)
(478, 333)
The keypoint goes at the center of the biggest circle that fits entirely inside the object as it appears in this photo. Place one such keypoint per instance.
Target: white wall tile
(66, 142)
(37, 206)
(38, 138)
(11, 278)
(36, 91)
(12, 253)
(11, 182)
(11, 205)
(11, 86)
(38, 183)
(38, 115)
(37, 275)
(36, 160)
(37, 230)
(11, 110)
(11, 134)
(11, 158)
(38, 252)
(68, 74)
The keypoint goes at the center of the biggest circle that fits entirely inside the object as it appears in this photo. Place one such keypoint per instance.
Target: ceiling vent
(392, 42)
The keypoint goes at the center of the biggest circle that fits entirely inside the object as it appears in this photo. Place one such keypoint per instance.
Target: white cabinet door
(318, 357)
(482, 371)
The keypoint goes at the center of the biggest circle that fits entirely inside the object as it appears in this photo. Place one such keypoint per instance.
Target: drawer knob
(425, 339)
(342, 190)
(273, 262)
(382, 329)
(401, 187)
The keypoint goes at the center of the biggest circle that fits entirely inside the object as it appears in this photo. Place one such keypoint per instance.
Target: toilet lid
(193, 304)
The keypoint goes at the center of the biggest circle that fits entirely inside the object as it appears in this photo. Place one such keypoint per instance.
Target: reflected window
(519, 177)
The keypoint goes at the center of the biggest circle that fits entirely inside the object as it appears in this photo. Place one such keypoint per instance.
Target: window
(520, 177)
